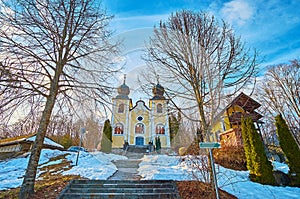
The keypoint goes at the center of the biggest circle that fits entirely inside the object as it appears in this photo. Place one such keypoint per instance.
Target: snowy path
(127, 169)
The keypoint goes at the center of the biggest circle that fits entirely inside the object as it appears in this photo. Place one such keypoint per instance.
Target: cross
(124, 78)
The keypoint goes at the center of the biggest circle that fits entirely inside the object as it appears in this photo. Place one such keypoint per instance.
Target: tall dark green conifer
(260, 167)
(174, 124)
(247, 145)
(290, 149)
(106, 141)
(157, 144)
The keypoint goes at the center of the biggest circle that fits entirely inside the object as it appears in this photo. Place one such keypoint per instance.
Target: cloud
(124, 24)
(237, 11)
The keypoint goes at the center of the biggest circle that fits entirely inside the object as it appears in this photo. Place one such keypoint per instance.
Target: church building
(140, 124)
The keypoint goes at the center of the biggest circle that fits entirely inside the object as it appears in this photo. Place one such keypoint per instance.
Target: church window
(159, 108)
(160, 129)
(139, 128)
(121, 108)
(140, 118)
(119, 129)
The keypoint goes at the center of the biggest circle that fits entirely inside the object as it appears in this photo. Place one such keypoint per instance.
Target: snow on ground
(94, 166)
(46, 141)
(154, 167)
(98, 165)
(234, 182)
(163, 167)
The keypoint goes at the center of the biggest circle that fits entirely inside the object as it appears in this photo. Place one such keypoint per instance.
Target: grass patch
(197, 190)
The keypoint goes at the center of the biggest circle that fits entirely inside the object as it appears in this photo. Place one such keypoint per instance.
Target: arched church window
(121, 108)
(139, 128)
(160, 129)
(159, 108)
(119, 129)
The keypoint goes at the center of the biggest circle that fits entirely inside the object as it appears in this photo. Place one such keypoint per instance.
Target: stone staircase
(138, 149)
(127, 170)
(129, 189)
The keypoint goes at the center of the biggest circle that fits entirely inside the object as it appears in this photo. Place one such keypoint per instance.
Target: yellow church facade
(140, 124)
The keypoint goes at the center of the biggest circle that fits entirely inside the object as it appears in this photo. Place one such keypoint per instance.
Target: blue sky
(270, 26)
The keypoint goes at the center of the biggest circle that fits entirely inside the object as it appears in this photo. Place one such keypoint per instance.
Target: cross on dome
(123, 90)
(124, 78)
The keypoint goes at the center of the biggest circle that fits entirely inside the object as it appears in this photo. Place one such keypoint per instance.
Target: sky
(270, 26)
(99, 166)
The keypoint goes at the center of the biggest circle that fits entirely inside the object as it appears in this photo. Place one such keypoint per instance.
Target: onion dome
(123, 90)
(158, 92)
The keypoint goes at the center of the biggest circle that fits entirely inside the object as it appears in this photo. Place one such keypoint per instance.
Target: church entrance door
(139, 141)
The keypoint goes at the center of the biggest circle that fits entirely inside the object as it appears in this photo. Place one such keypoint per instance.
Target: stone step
(120, 190)
(129, 175)
(119, 196)
(132, 189)
(127, 163)
(140, 185)
(134, 156)
(138, 149)
(109, 182)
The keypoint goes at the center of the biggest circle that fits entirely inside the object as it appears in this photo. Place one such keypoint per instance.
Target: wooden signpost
(210, 146)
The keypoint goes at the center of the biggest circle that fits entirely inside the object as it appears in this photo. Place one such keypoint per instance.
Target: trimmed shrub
(247, 145)
(261, 169)
(106, 141)
(290, 149)
(157, 144)
(174, 123)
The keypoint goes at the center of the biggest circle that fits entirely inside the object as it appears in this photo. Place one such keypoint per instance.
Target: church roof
(138, 103)
(158, 92)
(123, 90)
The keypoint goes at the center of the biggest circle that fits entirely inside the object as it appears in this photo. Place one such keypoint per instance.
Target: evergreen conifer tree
(66, 141)
(174, 123)
(157, 144)
(261, 169)
(247, 145)
(106, 141)
(290, 149)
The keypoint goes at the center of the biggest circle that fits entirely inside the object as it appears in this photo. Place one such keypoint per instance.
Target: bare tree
(93, 135)
(56, 49)
(280, 93)
(199, 57)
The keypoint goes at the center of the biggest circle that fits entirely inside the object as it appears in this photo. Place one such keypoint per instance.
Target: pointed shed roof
(246, 102)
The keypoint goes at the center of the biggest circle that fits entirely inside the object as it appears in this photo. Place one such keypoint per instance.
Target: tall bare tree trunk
(27, 188)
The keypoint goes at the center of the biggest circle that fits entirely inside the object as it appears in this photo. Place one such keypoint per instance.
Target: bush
(193, 149)
(157, 144)
(261, 169)
(65, 140)
(290, 149)
(106, 141)
(231, 157)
